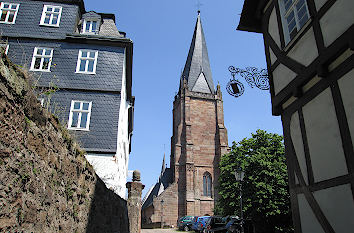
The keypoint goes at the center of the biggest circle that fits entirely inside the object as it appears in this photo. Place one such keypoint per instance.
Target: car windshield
(188, 218)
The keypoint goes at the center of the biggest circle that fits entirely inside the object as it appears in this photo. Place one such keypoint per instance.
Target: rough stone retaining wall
(46, 184)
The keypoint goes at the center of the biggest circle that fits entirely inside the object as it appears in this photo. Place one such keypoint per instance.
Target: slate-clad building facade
(309, 46)
(87, 63)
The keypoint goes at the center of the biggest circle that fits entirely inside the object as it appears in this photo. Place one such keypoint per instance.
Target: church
(189, 185)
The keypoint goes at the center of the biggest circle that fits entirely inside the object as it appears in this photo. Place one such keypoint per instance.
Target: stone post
(134, 202)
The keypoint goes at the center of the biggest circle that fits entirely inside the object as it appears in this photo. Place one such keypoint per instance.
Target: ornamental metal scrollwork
(253, 76)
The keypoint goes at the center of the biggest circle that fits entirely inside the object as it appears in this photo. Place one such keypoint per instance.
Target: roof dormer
(90, 24)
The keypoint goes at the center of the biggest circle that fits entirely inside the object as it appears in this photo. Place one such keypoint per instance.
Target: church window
(295, 14)
(51, 16)
(80, 113)
(8, 12)
(86, 61)
(207, 184)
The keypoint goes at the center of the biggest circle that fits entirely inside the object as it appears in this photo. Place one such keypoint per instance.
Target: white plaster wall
(108, 170)
(337, 20)
(346, 84)
(273, 27)
(113, 170)
(282, 76)
(323, 136)
(309, 222)
(319, 3)
(338, 207)
(123, 140)
(305, 50)
(296, 138)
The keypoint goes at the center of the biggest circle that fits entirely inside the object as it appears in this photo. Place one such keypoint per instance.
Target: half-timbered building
(309, 51)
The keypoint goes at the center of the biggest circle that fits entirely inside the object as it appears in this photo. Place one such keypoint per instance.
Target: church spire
(197, 70)
(163, 168)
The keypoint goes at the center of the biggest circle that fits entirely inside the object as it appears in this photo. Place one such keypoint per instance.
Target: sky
(161, 31)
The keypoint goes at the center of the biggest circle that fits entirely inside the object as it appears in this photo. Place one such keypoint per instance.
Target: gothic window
(207, 184)
(294, 16)
(51, 15)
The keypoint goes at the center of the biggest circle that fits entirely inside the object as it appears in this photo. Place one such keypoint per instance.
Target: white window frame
(285, 14)
(41, 101)
(9, 9)
(5, 46)
(90, 29)
(80, 111)
(80, 59)
(42, 57)
(45, 7)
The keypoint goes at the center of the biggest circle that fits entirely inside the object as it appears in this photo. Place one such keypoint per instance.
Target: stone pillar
(134, 202)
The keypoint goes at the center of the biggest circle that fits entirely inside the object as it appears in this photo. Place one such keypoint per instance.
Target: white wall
(333, 24)
(113, 170)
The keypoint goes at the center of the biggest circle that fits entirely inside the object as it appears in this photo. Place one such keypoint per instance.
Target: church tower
(199, 135)
(199, 139)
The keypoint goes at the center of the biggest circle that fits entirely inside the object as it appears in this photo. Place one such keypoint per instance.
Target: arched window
(207, 184)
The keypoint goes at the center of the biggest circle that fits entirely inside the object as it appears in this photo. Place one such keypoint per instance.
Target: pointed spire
(197, 70)
(163, 168)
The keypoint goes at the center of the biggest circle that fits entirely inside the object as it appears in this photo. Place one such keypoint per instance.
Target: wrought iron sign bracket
(253, 76)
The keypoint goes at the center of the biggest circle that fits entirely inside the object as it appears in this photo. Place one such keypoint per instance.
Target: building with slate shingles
(84, 56)
(199, 139)
(309, 48)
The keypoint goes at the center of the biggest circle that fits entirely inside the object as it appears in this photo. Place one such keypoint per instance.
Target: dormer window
(90, 27)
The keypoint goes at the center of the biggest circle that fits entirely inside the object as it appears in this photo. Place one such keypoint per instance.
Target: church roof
(197, 70)
(165, 180)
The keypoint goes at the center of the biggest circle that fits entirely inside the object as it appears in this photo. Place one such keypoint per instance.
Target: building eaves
(80, 3)
(251, 16)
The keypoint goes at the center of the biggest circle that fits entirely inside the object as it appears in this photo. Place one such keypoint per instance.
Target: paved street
(159, 231)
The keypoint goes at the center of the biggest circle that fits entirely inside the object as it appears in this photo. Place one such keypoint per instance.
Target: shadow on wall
(108, 211)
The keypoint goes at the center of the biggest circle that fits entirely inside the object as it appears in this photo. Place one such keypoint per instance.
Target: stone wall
(46, 184)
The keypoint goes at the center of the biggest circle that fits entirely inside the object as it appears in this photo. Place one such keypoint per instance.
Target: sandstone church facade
(199, 139)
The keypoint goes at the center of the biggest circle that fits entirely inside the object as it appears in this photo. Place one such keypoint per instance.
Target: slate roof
(165, 180)
(197, 64)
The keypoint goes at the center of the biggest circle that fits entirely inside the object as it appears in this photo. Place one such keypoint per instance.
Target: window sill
(80, 72)
(78, 129)
(289, 45)
(7, 22)
(47, 71)
(49, 25)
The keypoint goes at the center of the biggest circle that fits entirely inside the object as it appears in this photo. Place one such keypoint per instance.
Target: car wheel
(186, 228)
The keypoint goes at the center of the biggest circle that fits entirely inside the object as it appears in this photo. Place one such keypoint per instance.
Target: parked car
(200, 224)
(195, 220)
(217, 224)
(185, 223)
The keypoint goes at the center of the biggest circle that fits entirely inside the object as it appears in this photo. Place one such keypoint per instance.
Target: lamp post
(239, 175)
(162, 201)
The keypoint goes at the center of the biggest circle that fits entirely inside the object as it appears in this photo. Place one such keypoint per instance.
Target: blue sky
(162, 31)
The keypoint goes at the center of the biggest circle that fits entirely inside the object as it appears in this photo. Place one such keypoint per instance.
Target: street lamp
(162, 201)
(239, 175)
